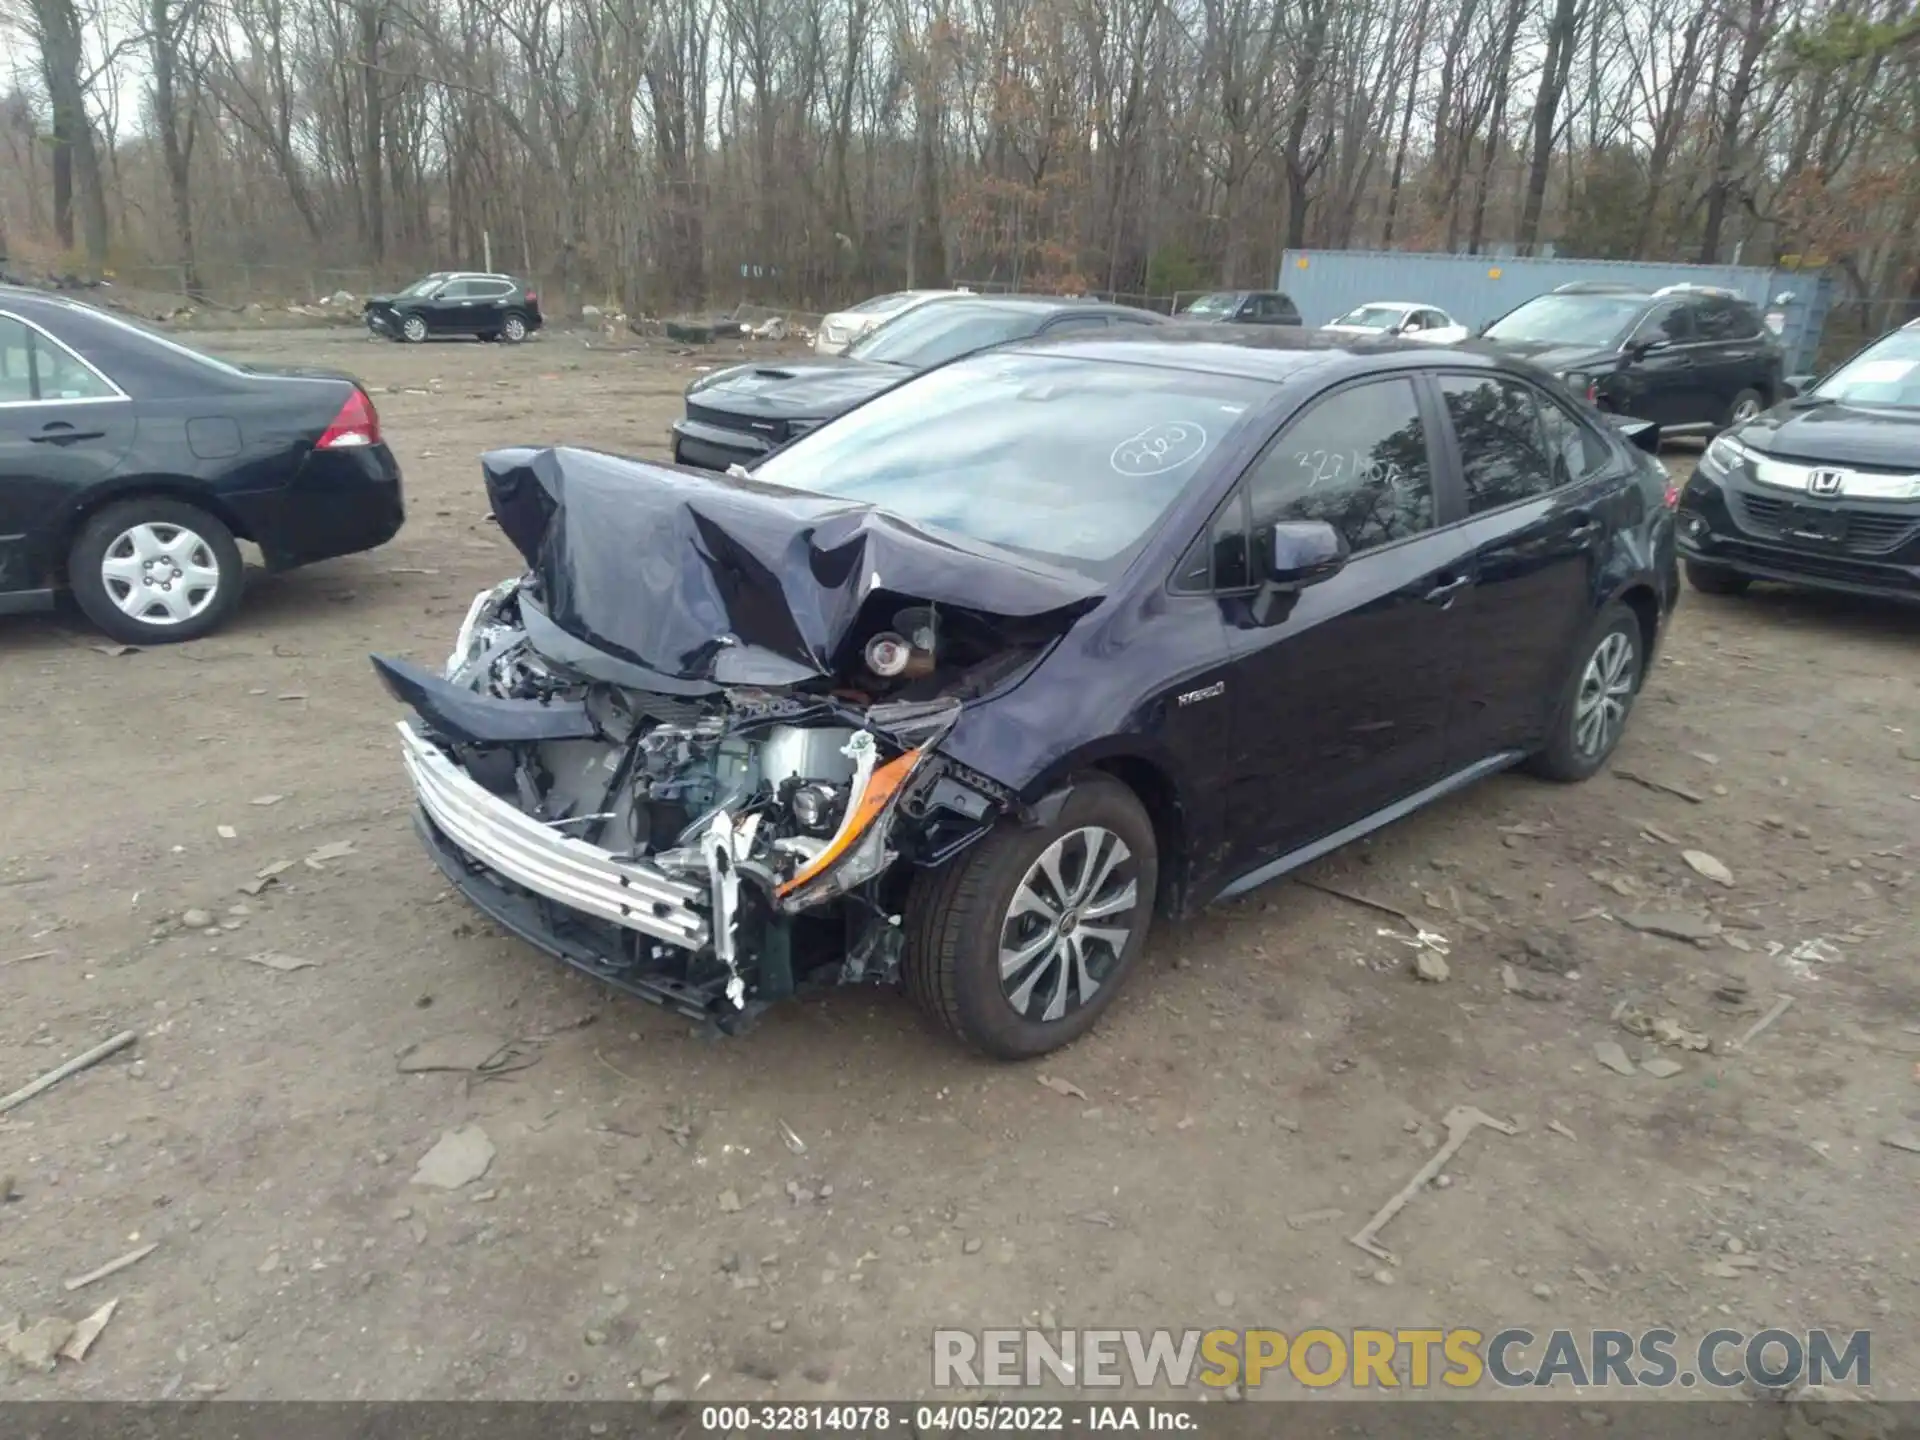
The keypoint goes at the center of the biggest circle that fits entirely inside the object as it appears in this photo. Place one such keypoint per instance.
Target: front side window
(1503, 455)
(1669, 323)
(1357, 460)
(1071, 460)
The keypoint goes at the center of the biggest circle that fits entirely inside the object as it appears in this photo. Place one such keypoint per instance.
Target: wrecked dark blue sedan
(962, 690)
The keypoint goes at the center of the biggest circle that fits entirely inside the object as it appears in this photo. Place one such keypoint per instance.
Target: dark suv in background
(1694, 360)
(456, 302)
(1244, 307)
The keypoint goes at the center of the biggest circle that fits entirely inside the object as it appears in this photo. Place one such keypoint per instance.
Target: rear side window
(1356, 459)
(1575, 451)
(34, 368)
(1503, 455)
(488, 289)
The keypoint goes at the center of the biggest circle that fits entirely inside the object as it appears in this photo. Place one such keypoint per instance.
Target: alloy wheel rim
(516, 328)
(1606, 691)
(1745, 411)
(415, 328)
(1068, 924)
(160, 574)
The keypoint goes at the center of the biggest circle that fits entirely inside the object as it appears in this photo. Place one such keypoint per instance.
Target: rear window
(1071, 460)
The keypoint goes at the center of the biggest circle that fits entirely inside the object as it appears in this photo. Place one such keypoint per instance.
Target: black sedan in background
(738, 415)
(962, 690)
(1823, 491)
(129, 463)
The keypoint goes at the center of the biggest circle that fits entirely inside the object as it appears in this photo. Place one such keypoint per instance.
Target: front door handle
(1443, 594)
(61, 433)
(1584, 526)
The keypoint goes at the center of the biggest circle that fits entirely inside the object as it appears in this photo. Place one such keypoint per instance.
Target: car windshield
(1071, 460)
(1886, 373)
(1221, 303)
(881, 304)
(426, 286)
(942, 330)
(1372, 317)
(1597, 320)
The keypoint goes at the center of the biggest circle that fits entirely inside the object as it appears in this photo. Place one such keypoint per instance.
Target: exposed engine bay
(695, 749)
(787, 808)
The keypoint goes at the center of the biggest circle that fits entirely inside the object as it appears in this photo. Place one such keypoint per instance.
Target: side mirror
(1305, 552)
(1796, 385)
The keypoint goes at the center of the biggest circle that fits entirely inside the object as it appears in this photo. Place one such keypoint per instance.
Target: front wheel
(413, 329)
(1745, 406)
(1022, 943)
(1596, 699)
(153, 571)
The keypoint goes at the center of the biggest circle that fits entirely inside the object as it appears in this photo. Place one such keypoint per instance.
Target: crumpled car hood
(731, 581)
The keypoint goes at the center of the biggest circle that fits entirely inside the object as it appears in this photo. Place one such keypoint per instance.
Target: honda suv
(1691, 359)
(485, 306)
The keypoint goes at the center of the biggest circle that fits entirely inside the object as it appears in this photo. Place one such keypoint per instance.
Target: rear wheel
(1595, 700)
(413, 329)
(1716, 579)
(1020, 945)
(152, 571)
(514, 329)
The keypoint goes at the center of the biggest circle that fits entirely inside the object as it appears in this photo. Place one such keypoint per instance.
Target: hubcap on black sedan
(1070, 920)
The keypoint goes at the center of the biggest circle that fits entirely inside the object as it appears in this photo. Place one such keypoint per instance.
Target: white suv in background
(843, 327)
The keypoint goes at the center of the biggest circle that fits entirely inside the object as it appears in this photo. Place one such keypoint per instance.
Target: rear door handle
(1584, 527)
(1443, 594)
(61, 433)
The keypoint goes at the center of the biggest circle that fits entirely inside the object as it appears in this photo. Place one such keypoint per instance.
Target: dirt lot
(643, 1214)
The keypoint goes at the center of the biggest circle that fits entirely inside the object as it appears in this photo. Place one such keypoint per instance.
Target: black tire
(958, 916)
(413, 330)
(104, 531)
(514, 328)
(1716, 580)
(1565, 758)
(1742, 408)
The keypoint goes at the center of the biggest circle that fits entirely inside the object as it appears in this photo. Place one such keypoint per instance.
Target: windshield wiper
(1810, 402)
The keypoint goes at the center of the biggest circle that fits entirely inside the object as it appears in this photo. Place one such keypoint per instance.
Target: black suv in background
(1693, 360)
(1244, 307)
(1822, 491)
(456, 302)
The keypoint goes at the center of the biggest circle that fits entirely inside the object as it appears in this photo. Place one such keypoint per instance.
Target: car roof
(1394, 305)
(1253, 352)
(1043, 304)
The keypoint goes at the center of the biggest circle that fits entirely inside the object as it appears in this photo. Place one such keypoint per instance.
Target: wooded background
(642, 152)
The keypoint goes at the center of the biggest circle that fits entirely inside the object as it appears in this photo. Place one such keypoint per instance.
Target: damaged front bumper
(708, 852)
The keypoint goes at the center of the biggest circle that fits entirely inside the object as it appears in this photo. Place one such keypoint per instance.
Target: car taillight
(1673, 495)
(357, 424)
(533, 297)
(1593, 392)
